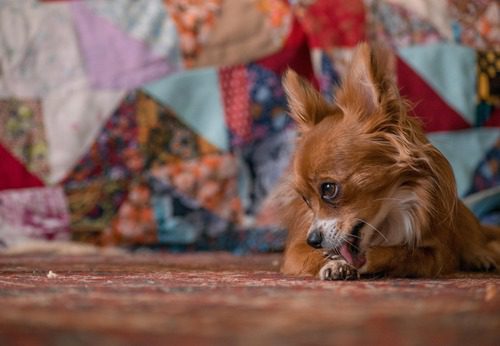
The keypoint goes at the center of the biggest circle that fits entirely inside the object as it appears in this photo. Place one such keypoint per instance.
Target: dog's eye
(329, 191)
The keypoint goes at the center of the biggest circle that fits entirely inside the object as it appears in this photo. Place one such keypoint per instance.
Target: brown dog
(367, 192)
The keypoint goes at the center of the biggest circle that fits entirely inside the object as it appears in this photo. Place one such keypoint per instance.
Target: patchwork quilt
(163, 123)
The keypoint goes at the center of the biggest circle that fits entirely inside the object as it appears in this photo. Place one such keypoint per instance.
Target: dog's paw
(338, 269)
(480, 259)
(482, 262)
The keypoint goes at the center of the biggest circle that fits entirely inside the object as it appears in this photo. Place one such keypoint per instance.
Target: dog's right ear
(307, 106)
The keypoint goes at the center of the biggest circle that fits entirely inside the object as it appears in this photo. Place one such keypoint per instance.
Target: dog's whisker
(374, 228)
(337, 252)
(388, 199)
(352, 245)
(345, 239)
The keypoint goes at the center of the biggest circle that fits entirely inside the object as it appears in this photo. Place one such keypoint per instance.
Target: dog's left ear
(368, 86)
(307, 106)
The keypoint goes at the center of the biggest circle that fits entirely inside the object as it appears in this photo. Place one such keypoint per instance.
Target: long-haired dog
(367, 193)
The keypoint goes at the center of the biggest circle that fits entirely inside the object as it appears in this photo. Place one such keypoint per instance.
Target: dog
(367, 193)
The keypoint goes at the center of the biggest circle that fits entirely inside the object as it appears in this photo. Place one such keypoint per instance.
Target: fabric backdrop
(164, 123)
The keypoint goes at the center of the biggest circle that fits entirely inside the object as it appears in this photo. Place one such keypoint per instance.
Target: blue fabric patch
(268, 103)
(196, 99)
(329, 78)
(465, 149)
(487, 174)
(450, 70)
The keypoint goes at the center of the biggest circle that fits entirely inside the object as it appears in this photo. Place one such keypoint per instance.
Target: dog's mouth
(350, 249)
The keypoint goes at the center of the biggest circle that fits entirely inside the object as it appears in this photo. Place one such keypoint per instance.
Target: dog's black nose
(314, 239)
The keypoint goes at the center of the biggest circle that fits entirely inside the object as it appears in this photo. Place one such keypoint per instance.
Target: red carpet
(220, 299)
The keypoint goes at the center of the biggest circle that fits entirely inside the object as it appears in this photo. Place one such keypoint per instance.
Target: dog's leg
(301, 259)
(399, 261)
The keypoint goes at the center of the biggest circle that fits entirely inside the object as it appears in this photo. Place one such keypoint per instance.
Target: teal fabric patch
(450, 70)
(196, 99)
(465, 149)
(483, 202)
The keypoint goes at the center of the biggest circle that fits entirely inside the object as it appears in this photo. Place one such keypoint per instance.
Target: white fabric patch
(73, 116)
(434, 11)
(40, 59)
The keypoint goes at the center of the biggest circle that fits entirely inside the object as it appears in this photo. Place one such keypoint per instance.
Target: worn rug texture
(221, 299)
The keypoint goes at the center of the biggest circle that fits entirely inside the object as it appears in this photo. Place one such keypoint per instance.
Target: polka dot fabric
(234, 85)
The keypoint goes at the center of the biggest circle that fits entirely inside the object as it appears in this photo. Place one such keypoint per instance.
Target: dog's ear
(368, 86)
(307, 106)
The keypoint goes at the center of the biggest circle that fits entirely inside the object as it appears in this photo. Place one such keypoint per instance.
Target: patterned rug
(221, 299)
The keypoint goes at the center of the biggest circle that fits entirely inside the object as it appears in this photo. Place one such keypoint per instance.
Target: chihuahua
(367, 193)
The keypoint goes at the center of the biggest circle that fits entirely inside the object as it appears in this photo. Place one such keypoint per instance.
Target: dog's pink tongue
(356, 260)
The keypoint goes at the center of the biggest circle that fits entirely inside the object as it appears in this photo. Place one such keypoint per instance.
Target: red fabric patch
(13, 174)
(494, 119)
(334, 23)
(435, 113)
(234, 86)
(295, 54)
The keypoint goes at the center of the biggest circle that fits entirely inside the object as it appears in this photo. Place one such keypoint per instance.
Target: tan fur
(389, 174)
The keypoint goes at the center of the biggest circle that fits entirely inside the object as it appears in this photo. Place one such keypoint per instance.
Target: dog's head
(362, 165)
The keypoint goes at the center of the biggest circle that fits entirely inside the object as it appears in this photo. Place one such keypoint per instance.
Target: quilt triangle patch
(196, 99)
(127, 63)
(295, 54)
(435, 113)
(450, 69)
(13, 174)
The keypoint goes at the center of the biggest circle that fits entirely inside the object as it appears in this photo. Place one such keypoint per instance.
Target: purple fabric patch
(113, 59)
(33, 213)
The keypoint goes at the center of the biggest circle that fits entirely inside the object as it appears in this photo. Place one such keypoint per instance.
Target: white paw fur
(338, 269)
